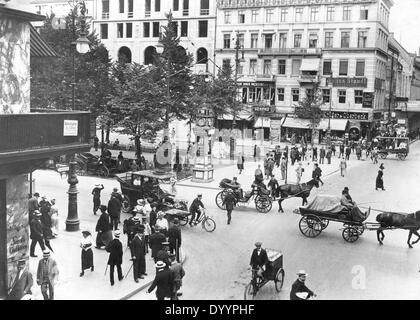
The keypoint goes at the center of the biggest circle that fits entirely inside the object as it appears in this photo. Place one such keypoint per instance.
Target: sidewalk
(93, 285)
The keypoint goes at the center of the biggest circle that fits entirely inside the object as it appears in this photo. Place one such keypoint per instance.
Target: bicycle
(207, 223)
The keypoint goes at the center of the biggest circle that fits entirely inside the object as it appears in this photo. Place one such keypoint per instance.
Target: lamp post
(159, 50)
(329, 112)
(80, 45)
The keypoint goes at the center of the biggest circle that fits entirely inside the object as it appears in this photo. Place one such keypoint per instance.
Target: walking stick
(106, 269)
(129, 270)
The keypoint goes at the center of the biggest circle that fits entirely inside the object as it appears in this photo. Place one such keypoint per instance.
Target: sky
(405, 23)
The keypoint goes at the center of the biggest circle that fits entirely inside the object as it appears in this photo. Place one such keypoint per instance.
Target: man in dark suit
(114, 210)
(164, 281)
(33, 205)
(36, 233)
(174, 237)
(163, 254)
(115, 256)
(153, 216)
(299, 290)
(22, 284)
(259, 259)
(196, 207)
(138, 254)
(229, 202)
(155, 242)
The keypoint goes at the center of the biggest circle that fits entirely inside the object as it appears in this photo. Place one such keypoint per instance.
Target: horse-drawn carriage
(259, 195)
(323, 209)
(393, 145)
(146, 184)
(274, 272)
(88, 163)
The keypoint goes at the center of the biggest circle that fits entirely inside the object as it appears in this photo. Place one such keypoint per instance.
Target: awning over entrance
(262, 122)
(335, 125)
(296, 123)
(243, 115)
(310, 65)
(413, 106)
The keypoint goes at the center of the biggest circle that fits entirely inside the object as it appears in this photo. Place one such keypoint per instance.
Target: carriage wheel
(126, 204)
(279, 280)
(310, 226)
(103, 171)
(263, 204)
(324, 223)
(183, 220)
(250, 293)
(208, 224)
(383, 155)
(219, 200)
(350, 234)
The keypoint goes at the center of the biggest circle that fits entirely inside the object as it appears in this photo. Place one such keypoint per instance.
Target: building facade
(289, 45)
(132, 28)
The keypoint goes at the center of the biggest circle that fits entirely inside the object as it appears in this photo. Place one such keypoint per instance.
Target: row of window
(286, 15)
(343, 69)
(313, 40)
(153, 29)
(259, 94)
(204, 6)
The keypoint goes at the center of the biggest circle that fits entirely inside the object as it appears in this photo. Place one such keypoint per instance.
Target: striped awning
(39, 48)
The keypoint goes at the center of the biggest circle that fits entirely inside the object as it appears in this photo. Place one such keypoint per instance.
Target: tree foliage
(52, 78)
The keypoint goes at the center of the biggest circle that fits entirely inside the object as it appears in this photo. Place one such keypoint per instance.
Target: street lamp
(81, 45)
(329, 113)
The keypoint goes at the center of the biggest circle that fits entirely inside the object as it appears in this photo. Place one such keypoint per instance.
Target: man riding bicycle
(196, 208)
(259, 260)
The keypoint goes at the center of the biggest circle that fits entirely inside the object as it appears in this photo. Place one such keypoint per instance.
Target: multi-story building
(289, 45)
(131, 28)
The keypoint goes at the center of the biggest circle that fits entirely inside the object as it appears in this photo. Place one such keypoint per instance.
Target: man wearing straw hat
(299, 290)
(96, 192)
(164, 281)
(115, 256)
(47, 275)
(23, 282)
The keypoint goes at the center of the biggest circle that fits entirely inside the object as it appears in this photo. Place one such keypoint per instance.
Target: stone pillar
(72, 222)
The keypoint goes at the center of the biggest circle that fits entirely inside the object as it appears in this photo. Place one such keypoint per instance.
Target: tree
(52, 78)
(133, 105)
(310, 106)
(174, 75)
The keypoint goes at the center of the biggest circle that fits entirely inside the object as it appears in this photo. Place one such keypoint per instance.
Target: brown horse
(411, 222)
(302, 190)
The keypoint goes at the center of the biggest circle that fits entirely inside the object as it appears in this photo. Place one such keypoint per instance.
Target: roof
(19, 14)
(39, 48)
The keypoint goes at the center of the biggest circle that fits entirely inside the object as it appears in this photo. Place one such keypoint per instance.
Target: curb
(133, 293)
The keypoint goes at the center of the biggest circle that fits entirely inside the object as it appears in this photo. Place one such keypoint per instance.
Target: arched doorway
(149, 55)
(202, 56)
(124, 55)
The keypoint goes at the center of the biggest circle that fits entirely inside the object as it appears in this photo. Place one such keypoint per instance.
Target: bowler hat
(36, 194)
(86, 232)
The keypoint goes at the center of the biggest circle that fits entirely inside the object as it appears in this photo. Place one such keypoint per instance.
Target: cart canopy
(326, 203)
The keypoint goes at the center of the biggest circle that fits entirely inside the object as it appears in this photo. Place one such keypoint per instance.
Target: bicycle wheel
(208, 224)
(220, 197)
(249, 293)
(279, 280)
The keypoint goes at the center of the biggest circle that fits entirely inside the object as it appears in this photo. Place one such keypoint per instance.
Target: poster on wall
(275, 130)
(17, 224)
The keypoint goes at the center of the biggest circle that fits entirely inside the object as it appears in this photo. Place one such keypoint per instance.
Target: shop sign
(348, 82)
(259, 109)
(70, 128)
(368, 98)
(256, 84)
(362, 116)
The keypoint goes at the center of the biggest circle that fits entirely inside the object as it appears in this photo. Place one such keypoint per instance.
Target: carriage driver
(238, 191)
(259, 260)
(346, 199)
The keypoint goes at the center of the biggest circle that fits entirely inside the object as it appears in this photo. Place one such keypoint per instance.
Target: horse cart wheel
(209, 225)
(103, 171)
(219, 200)
(279, 280)
(350, 234)
(324, 223)
(263, 204)
(126, 204)
(383, 155)
(250, 293)
(310, 226)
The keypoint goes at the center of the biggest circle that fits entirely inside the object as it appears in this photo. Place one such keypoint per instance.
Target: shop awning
(297, 123)
(262, 122)
(335, 125)
(39, 48)
(240, 116)
(310, 65)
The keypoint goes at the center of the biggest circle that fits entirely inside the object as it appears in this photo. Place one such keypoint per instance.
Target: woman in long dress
(87, 253)
(379, 179)
(54, 218)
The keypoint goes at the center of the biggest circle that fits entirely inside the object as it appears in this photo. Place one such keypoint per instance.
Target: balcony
(290, 52)
(266, 77)
(31, 137)
(129, 14)
(185, 12)
(147, 14)
(105, 15)
(306, 78)
(204, 12)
